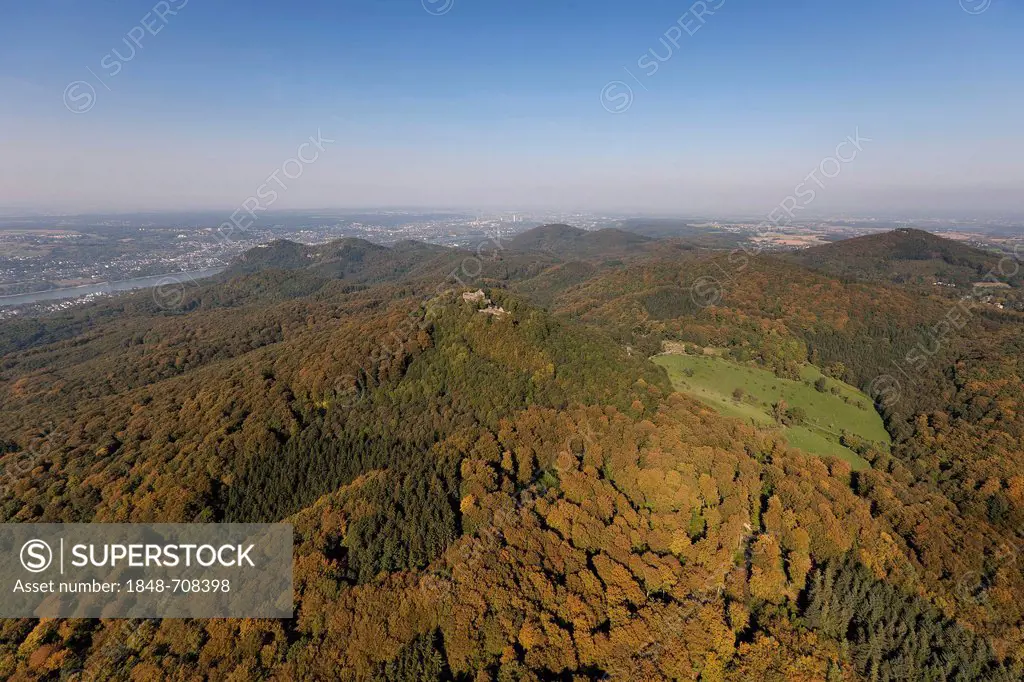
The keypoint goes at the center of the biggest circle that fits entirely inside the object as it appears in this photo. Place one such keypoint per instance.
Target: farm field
(749, 393)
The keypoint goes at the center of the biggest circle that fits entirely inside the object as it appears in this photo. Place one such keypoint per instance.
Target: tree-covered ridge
(944, 372)
(208, 398)
(907, 256)
(895, 636)
(596, 544)
(520, 496)
(568, 241)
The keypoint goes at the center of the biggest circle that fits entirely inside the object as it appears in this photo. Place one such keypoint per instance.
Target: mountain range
(527, 495)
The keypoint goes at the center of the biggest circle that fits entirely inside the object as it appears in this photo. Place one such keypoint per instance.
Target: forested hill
(349, 258)
(906, 256)
(505, 487)
(365, 261)
(567, 241)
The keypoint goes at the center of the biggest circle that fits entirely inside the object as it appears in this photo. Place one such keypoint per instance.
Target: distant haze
(507, 105)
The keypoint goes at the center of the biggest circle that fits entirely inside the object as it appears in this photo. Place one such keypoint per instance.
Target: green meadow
(826, 415)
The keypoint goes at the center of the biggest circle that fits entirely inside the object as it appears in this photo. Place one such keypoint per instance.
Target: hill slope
(567, 241)
(519, 494)
(750, 393)
(903, 256)
(348, 258)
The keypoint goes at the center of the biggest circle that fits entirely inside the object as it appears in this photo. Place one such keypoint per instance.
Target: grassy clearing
(714, 381)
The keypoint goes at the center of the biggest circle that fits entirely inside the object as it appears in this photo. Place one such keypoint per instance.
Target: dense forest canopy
(505, 487)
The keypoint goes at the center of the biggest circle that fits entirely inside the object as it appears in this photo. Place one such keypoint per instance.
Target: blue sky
(499, 103)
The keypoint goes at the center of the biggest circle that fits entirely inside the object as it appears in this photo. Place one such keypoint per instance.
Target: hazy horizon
(217, 214)
(638, 109)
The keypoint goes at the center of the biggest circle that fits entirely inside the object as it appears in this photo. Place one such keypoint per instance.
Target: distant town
(50, 263)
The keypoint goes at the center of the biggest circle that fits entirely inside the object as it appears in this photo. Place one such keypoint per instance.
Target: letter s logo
(36, 556)
(79, 97)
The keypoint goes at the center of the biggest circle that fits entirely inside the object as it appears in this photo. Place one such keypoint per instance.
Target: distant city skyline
(723, 107)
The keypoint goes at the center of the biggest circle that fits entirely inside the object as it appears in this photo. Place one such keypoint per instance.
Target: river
(109, 287)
